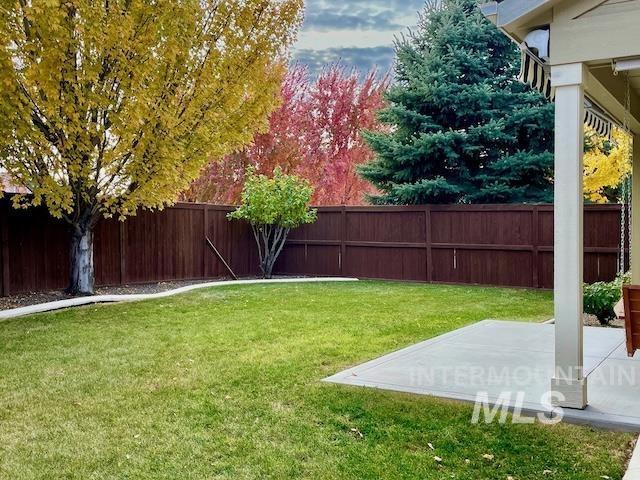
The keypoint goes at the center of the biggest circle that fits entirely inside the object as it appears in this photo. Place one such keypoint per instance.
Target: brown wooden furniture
(631, 298)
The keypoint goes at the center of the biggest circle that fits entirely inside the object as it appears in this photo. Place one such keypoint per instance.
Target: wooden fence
(508, 245)
(150, 247)
(495, 244)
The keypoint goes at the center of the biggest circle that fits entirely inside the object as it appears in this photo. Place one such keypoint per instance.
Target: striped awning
(534, 74)
(598, 121)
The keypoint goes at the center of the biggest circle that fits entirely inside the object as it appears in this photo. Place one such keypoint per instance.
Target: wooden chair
(631, 297)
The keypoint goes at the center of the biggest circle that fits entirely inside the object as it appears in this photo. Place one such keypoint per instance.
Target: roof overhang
(515, 17)
(592, 32)
(513, 12)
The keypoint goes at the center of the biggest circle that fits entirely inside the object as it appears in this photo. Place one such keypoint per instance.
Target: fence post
(4, 247)
(427, 226)
(535, 243)
(123, 252)
(205, 221)
(343, 235)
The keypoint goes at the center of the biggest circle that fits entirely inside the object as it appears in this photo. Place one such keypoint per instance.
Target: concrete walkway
(74, 302)
(633, 470)
(513, 357)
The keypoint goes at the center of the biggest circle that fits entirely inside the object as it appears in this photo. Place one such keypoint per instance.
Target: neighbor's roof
(7, 186)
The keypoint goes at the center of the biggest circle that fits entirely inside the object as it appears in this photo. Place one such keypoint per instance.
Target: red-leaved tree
(315, 134)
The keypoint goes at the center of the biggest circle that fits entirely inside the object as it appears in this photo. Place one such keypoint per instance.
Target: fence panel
(149, 247)
(509, 245)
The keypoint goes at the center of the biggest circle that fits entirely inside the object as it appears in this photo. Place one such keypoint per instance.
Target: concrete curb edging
(75, 302)
(633, 470)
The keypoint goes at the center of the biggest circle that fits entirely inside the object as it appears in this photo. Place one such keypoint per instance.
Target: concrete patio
(498, 356)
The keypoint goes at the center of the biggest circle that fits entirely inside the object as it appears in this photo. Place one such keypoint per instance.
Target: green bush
(623, 279)
(273, 206)
(601, 297)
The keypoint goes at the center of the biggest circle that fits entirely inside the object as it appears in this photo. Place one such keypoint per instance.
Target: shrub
(623, 279)
(273, 206)
(600, 298)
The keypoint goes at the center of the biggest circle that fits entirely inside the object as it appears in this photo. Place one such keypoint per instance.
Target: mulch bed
(592, 321)
(34, 298)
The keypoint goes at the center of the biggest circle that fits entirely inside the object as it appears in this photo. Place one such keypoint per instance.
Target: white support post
(635, 213)
(569, 379)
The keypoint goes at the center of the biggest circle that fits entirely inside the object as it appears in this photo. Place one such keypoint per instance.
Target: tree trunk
(279, 239)
(270, 240)
(82, 280)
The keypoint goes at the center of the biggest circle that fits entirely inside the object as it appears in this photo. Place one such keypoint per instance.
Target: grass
(225, 383)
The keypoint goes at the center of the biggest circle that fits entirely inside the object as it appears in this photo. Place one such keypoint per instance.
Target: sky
(359, 33)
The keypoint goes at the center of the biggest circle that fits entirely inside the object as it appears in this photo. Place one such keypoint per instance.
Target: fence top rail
(203, 206)
(543, 207)
(394, 208)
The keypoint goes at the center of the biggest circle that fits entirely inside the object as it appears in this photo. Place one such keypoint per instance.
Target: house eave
(514, 12)
(490, 10)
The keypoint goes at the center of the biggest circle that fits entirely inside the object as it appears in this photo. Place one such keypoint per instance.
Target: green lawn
(226, 383)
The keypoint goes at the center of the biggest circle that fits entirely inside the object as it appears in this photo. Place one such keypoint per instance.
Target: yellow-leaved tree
(606, 164)
(111, 105)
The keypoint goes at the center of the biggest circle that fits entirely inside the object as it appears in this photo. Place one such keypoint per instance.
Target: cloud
(363, 59)
(327, 21)
(358, 33)
(326, 15)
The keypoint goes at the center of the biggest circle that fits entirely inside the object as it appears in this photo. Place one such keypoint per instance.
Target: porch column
(568, 379)
(635, 213)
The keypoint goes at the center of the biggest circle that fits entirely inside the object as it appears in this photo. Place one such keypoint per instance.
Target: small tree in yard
(111, 106)
(273, 206)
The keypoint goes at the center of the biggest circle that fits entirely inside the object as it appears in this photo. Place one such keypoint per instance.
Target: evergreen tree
(464, 130)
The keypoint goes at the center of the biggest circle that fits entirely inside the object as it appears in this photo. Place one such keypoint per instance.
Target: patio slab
(498, 356)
